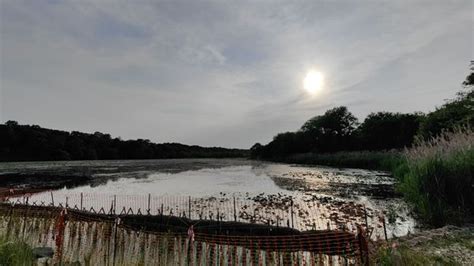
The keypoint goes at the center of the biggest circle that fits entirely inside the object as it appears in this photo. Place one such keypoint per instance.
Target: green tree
(337, 121)
(454, 113)
(331, 131)
(385, 130)
(256, 150)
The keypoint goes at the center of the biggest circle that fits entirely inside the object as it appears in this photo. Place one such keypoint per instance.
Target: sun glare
(313, 81)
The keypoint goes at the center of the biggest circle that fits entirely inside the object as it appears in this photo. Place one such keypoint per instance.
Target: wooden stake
(189, 207)
(52, 198)
(235, 212)
(149, 198)
(292, 224)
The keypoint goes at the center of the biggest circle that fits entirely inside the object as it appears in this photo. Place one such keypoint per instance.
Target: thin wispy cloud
(221, 73)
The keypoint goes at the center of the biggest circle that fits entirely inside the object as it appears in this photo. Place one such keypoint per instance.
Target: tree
(11, 123)
(337, 121)
(331, 131)
(455, 113)
(470, 78)
(385, 130)
(25, 142)
(256, 150)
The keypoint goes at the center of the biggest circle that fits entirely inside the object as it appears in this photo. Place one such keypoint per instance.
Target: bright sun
(313, 81)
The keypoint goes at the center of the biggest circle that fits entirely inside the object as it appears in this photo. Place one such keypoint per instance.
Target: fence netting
(298, 212)
(108, 237)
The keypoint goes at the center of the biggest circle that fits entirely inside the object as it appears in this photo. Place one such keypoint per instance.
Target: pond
(303, 197)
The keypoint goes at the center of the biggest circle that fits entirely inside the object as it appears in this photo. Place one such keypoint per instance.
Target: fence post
(115, 204)
(161, 212)
(81, 202)
(111, 210)
(24, 224)
(115, 239)
(384, 229)
(52, 198)
(363, 247)
(189, 207)
(292, 224)
(235, 212)
(366, 221)
(149, 198)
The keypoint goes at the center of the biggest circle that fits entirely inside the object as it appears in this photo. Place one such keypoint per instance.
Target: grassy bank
(436, 178)
(15, 252)
(350, 159)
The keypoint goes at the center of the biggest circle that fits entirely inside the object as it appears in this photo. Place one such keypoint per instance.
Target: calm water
(337, 195)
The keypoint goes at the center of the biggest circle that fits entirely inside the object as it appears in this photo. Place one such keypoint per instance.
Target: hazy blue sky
(222, 73)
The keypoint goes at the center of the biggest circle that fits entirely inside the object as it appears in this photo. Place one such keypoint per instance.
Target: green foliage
(327, 133)
(256, 150)
(331, 131)
(436, 178)
(385, 130)
(337, 131)
(470, 78)
(455, 113)
(337, 121)
(15, 253)
(33, 143)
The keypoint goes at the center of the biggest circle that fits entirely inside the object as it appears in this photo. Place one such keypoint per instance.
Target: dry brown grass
(442, 146)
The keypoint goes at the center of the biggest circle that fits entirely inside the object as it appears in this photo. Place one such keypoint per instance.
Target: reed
(443, 146)
(436, 178)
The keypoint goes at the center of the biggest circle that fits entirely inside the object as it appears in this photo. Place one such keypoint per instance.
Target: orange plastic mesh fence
(104, 239)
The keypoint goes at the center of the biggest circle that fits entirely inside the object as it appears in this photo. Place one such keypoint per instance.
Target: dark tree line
(33, 143)
(339, 130)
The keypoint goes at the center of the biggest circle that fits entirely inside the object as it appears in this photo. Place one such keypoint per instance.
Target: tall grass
(386, 160)
(15, 252)
(436, 178)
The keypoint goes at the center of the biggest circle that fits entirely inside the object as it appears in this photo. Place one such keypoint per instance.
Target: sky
(224, 73)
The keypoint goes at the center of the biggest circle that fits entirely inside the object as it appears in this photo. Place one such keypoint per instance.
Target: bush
(436, 178)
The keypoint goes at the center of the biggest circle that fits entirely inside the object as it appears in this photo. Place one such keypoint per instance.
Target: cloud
(223, 73)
